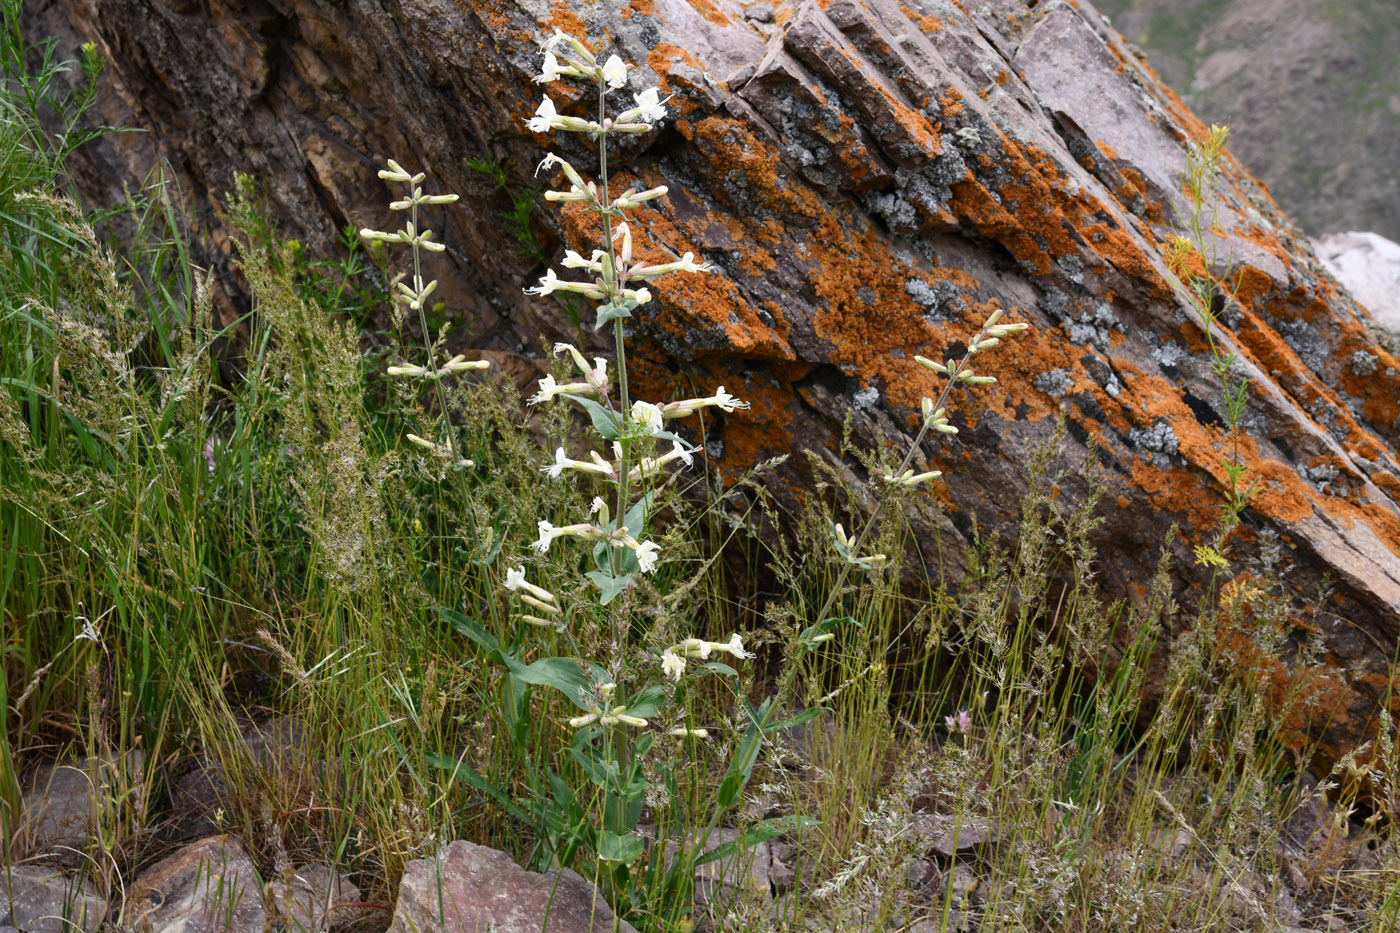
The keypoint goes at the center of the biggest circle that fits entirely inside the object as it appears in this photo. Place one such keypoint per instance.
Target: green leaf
(610, 586)
(604, 421)
(614, 310)
(753, 835)
(471, 628)
(646, 703)
(807, 715)
(576, 680)
(814, 635)
(615, 848)
(635, 521)
(719, 667)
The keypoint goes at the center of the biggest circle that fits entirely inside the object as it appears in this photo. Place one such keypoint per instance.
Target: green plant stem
(427, 341)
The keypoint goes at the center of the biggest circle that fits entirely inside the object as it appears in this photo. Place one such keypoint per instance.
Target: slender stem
(427, 341)
(869, 526)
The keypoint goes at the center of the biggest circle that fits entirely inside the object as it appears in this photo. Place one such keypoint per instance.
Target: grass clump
(351, 553)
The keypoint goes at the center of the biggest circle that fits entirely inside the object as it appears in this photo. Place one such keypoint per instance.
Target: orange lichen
(563, 17)
(951, 102)
(1108, 151)
(711, 12)
(641, 7)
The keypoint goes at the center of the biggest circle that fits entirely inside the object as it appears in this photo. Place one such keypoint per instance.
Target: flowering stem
(869, 526)
(427, 340)
(624, 462)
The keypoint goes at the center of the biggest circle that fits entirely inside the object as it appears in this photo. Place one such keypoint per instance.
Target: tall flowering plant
(630, 453)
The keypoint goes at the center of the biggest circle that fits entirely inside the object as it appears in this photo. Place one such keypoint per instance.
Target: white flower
(544, 117)
(548, 389)
(649, 106)
(736, 647)
(724, 400)
(597, 505)
(646, 556)
(515, 578)
(678, 451)
(560, 461)
(406, 369)
(641, 296)
(615, 72)
(551, 70)
(647, 415)
(672, 665)
(693, 648)
(547, 534)
(692, 733)
(548, 284)
(553, 41)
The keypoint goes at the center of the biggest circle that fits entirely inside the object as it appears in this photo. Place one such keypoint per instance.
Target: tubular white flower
(550, 531)
(672, 665)
(551, 70)
(721, 400)
(543, 598)
(578, 722)
(910, 479)
(550, 283)
(686, 263)
(614, 72)
(395, 172)
(427, 444)
(689, 733)
(624, 233)
(570, 173)
(597, 505)
(645, 414)
(619, 716)
(573, 260)
(545, 117)
(650, 108)
(460, 363)
(647, 553)
(735, 646)
(574, 194)
(693, 648)
(641, 296)
(406, 369)
(630, 199)
(562, 463)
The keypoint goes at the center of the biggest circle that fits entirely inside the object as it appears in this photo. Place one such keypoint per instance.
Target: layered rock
(871, 178)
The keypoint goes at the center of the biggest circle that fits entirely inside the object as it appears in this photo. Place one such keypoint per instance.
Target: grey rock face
(1369, 266)
(38, 899)
(468, 888)
(210, 886)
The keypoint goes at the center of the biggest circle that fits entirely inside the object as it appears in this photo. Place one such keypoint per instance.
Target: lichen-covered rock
(871, 178)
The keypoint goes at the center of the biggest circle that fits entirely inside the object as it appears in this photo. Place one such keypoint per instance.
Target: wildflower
(686, 263)
(573, 260)
(562, 463)
(672, 665)
(549, 388)
(615, 716)
(645, 414)
(545, 115)
(460, 363)
(909, 479)
(689, 733)
(551, 283)
(650, 108)
(721, 400)
(646, 556)
(549, 531)
(614, 72)
(693, 648)
(962, 722)
(631, 197)
(651, 466)
(536, 596)
(551, 70)
(735, 647)
(624, 233)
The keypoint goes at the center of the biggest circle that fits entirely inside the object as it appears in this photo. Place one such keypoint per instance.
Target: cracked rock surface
(871, 179)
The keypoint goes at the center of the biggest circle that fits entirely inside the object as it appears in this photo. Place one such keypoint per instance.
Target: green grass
(269, 546)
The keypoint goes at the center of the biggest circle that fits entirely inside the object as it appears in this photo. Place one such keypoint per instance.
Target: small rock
(317, 898)
(469, 888)
(279, 749)
(760, 13)
(947, 835)
(209, 886)
(38, 899)
(63, 802)
(1368, 265)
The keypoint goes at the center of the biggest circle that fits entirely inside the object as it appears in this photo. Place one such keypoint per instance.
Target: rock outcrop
(871, 178)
